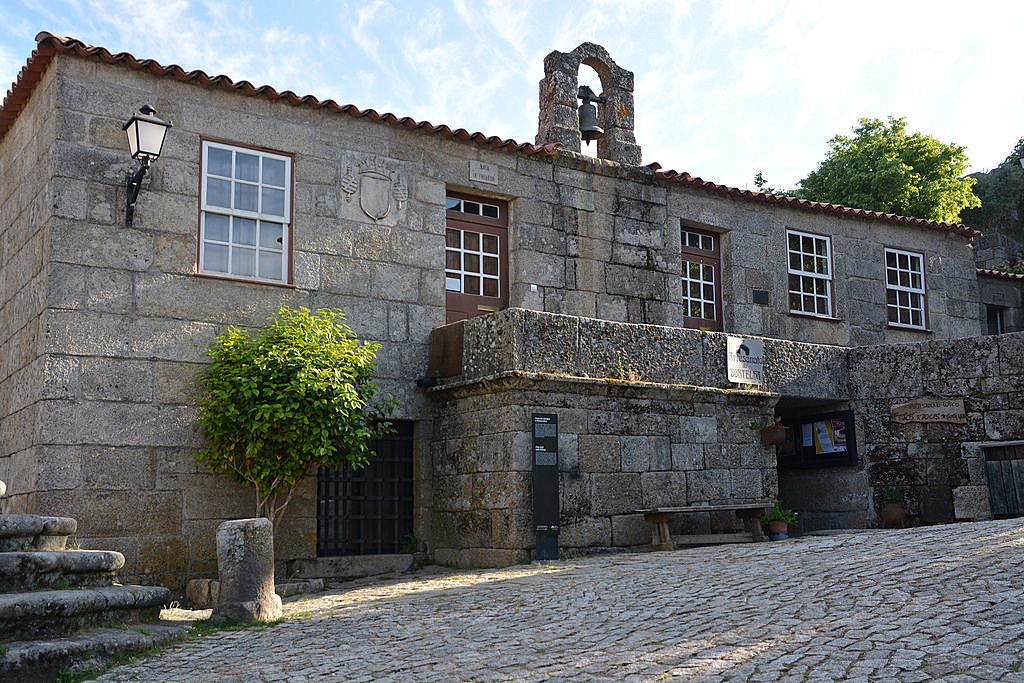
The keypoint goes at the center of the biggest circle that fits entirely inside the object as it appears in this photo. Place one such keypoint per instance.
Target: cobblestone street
(932, 603)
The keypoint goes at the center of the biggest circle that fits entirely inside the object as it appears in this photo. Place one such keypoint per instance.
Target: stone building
(598, 290)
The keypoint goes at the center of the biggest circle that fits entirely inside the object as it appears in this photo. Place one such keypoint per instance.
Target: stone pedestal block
(245, 563)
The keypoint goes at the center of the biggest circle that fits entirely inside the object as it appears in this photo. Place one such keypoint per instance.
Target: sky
(723, 89)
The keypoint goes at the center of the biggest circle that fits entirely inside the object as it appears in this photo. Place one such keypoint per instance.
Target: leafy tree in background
(1001, 192)
(292, 397)
(882, 168)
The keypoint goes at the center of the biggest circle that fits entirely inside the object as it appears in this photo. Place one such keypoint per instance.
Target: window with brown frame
(476, 256)
(702, 271)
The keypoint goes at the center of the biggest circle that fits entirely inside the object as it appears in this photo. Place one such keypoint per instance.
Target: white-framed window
(245, 213)
(810, 273)
(905, 288)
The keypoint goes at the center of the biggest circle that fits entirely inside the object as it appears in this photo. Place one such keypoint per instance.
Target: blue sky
(723, 89)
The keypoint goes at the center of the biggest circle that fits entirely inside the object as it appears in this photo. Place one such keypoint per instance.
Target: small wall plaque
(931, 410)
(483, 173)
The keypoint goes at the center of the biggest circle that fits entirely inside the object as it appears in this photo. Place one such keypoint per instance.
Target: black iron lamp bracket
(134, 185)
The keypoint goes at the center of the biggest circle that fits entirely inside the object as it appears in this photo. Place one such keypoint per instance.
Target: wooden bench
(750, 513)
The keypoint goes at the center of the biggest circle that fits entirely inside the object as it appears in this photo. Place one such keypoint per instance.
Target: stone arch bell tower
(559, 121)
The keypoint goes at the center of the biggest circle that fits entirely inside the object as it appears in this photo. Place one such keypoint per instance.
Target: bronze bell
(589, 130)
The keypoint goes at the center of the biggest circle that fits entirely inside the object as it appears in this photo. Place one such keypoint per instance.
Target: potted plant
(772, 433)
(893, 514)
(778, 519)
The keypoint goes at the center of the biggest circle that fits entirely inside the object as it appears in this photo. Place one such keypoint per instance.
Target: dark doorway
(368, 511)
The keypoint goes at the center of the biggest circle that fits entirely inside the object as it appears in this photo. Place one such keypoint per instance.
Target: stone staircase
(62, 610)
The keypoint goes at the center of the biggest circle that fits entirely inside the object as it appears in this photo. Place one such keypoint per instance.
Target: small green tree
(292, 397)
(882, 168)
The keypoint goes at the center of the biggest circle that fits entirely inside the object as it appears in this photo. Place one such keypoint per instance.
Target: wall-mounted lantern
(145, 141)
(589, 130)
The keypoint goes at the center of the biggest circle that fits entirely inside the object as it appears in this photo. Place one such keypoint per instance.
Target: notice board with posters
(821, 440)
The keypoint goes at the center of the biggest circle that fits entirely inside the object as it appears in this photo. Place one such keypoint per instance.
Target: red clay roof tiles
(48, 45)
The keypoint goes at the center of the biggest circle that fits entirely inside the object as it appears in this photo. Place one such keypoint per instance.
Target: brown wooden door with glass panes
(475, 256)
(702, 267)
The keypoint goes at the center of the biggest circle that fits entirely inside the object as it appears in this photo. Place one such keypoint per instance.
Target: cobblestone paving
(934, 603)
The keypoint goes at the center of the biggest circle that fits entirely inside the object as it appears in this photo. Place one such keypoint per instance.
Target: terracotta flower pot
(777, 530)
(893, 515)
(773, 436)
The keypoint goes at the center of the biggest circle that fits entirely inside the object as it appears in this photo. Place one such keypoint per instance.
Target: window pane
(243, 261)
(490, 211)
(490, 287)
(452, 283)
(452, 260)
(471, 263)
(490, 265)
(471, 241)
(490, 244)
(245, 231)
(215, 258)
(452, 203)
(247, 167)
(471, 207)
(452, 238)
(472, 284)
(271, 235)
(270, 265)
(273, 172)
(245, 197)
(273, 202)
(218, 228)
(218, 193)
(218, 162)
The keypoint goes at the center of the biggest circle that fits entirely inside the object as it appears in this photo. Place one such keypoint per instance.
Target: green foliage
(762, 186)
(1001, 192)
(292, 397)
(890, 495)
(882, 168)
(779, 514)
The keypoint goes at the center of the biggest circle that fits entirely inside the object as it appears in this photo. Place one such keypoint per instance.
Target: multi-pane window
(904, 288)
(810, 273)
(246, 209)
(471, 262)
(475, 256)
(701, 269)
(472, 207)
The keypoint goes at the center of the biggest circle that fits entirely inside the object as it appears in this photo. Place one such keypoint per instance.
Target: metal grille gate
(368, 511)
(1004, 470)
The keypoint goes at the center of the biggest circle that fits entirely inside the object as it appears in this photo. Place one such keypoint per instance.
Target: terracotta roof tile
(49, 44)
(1000, 273)
(807, 205)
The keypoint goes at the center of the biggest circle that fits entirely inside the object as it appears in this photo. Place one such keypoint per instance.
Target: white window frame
(905, 281)
(810, 268)
(262, 249)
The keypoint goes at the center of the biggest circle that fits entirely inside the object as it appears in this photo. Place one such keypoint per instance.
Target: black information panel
(545, 484)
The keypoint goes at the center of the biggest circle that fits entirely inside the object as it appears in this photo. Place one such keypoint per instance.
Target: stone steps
(43, 660)
(52, 613)
(62, 609)
(35, 532)
(24, 570)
